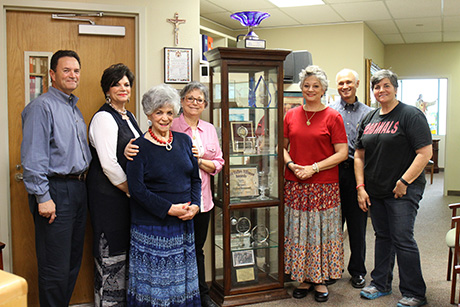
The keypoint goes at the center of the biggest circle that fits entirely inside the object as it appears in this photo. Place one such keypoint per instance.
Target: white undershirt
(103, 135)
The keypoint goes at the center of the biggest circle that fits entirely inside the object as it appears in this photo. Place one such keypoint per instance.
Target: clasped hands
(184, 211)
(302, 172)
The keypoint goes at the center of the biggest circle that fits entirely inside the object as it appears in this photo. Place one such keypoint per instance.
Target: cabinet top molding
(227, 53)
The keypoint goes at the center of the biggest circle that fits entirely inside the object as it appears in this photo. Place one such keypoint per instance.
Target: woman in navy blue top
(165, 190)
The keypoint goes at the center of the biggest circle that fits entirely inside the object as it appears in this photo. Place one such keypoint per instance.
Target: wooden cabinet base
(248, 298)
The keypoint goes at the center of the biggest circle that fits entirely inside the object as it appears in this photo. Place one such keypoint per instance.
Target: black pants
(356, 219)
(60, 245)
(201, 223)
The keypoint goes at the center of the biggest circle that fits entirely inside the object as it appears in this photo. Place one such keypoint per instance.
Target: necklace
(194, 133)
(168, 142)
(308, 119)
(119, 112)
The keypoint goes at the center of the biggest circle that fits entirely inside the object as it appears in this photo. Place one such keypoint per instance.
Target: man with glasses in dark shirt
(55, 156)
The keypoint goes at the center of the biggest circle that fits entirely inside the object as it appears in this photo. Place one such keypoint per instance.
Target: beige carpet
(433, 221)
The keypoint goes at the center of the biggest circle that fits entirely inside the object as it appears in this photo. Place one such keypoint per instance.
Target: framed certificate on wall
(178, 65)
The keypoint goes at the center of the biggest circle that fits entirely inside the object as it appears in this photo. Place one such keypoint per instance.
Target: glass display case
(247, 227)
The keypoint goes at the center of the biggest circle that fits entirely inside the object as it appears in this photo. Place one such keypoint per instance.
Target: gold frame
(371, 68)
(234, 126)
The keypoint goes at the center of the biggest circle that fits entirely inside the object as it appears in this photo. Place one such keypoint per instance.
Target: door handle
(18, 176)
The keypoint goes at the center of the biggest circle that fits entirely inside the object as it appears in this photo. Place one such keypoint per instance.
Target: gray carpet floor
(433, 221)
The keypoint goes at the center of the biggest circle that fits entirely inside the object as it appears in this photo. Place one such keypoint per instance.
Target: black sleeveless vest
(108, 205)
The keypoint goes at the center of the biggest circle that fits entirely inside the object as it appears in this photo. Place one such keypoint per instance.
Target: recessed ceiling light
(291, 3)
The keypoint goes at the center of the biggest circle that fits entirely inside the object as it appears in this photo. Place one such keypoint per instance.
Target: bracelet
(200, 161)
(315, 167)
(287, 164)
(360, 185)
(404, 181)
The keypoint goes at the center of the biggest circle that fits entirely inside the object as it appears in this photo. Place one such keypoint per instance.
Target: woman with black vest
(111, 128)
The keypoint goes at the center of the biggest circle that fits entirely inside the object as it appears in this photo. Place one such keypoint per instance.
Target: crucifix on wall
(176, 21)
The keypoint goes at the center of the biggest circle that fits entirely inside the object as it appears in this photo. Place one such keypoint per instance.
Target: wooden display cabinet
(248, 221)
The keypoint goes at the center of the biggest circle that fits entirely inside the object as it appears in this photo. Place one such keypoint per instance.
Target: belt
(79, 177)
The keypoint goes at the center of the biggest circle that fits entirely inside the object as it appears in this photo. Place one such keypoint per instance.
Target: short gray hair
(194, 85)
(160, 96)
(313, 70)
(382, 74)
(346, 71)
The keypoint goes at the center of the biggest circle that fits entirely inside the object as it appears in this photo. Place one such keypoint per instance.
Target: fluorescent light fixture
(101, 30)
(292, 3)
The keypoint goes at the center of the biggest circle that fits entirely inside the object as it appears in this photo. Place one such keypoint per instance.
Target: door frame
(138, 13)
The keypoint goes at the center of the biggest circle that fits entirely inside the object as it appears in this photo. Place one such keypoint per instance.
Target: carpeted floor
(433, 221)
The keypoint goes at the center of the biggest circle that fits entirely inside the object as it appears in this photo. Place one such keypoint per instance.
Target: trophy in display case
(260, 235)
(250, 19)
(242, 238)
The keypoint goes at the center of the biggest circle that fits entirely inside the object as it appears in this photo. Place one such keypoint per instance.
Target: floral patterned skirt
(162, 266)
(313, 249)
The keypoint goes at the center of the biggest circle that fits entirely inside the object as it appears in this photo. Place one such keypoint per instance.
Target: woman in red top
(315, 142)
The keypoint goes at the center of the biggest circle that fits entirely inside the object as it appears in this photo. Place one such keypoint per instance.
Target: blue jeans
(393, 221)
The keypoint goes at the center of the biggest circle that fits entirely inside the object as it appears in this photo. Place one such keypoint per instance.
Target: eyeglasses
(191, 99)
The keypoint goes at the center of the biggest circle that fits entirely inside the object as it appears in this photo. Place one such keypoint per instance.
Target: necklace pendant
(168, 146)
(308, 123)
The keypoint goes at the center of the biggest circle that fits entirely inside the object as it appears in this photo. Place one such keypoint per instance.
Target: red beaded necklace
(168, 142)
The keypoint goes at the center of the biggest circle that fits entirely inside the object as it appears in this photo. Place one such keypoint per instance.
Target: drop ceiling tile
(431, 37)
(224, 20)
(389, 39)
(400, 9)
(244, 5)
(316, 14)
(362, 11)
(208, 7)
(451, 24)
(383, 26)
(451, 7)
(278, 19)
(451, 36)
(346, 1)
(417, 25)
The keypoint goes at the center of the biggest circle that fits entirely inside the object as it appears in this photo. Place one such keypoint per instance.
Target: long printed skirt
(313, 249)
(110, 277)
(162, 266)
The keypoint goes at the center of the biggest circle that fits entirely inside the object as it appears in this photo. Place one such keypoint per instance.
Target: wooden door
(36, 31)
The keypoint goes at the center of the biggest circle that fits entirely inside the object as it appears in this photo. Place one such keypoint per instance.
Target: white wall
(439, 60)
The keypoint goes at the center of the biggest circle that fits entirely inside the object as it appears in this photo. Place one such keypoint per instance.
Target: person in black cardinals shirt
(392, 149)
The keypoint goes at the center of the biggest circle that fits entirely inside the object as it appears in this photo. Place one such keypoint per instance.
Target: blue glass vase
(250, 19)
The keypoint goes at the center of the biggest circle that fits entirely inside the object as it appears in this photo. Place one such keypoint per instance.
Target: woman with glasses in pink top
(194, 99)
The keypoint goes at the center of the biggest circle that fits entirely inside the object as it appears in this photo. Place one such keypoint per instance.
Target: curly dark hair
(115, 73)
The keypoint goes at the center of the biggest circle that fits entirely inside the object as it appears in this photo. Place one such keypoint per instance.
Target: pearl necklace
(119, 111)
(168, 142)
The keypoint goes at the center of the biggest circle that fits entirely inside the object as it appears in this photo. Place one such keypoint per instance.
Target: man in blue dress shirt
(55, 156)
(352, 112)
